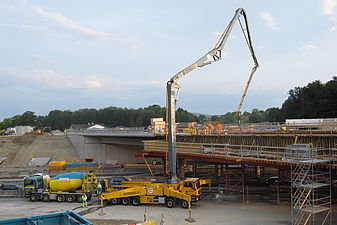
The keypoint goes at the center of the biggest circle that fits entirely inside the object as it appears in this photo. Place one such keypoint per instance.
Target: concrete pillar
(181, 168)
(219, 173)
(163, 167)
(243, 173)
(194, 170)
(258, 171)
(219, 170)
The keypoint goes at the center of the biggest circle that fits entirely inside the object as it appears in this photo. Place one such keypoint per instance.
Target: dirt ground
(19, 150)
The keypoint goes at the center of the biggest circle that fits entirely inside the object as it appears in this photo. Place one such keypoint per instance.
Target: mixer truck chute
(67, 187)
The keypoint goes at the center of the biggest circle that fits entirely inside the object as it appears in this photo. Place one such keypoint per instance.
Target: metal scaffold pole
(310, 185)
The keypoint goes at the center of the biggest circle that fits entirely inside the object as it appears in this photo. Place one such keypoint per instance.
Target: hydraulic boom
(210, 57)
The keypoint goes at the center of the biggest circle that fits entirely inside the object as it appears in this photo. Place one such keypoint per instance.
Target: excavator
(213, 55)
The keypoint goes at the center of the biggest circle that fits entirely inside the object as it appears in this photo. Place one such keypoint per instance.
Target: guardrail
(119, 130)
(253, 128)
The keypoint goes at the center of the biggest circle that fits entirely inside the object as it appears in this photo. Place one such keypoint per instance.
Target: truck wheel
(70, 198)
(33, 198)
(60, 198)
(114, 201)
(125, 201)
(135, 201)
(170, 203)
(184, 204)
(79, 198)
(45, 198)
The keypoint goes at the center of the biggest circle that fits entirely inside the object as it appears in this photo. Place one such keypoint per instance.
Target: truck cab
(192, 187)
(32, 185)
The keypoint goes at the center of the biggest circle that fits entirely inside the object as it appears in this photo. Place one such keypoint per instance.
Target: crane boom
(210, 57)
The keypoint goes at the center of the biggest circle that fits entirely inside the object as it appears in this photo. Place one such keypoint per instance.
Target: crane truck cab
(192, 187)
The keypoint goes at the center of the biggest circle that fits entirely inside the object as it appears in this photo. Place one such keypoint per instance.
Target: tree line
(109, 117)
(315, 100)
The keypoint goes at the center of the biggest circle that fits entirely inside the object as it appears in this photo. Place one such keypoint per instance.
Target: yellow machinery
(149, 194)
(43, 130)
(146, 192)
(57, 165)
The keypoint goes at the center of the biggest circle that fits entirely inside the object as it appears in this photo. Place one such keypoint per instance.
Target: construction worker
(99, 188)
(210, 128)
(219, 127)
(84, 201)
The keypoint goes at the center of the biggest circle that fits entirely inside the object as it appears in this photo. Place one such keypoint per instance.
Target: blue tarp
(66, 218)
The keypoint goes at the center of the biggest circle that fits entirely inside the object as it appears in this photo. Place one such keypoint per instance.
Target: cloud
(328, 6)
(269, 20)
(44, 61)
(8, 25)
(30, 11)
(93, 83)
(47, 78)
(308, 47)
(51, 79)
(333, 28)
(157, 83)
(72, 25)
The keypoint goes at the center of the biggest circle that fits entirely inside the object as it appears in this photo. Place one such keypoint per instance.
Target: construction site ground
(207, 211)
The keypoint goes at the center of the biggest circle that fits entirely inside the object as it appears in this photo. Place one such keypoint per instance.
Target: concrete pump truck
(188, 190)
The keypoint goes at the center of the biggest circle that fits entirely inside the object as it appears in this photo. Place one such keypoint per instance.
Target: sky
(69, 55)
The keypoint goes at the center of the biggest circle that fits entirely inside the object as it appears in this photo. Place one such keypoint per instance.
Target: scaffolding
(311, 185)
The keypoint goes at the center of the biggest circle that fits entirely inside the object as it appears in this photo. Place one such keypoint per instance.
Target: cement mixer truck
(67, 187)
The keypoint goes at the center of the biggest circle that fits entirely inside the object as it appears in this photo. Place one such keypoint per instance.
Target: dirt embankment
(19, 150)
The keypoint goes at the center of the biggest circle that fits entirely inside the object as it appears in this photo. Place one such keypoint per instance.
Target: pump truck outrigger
(213, 55)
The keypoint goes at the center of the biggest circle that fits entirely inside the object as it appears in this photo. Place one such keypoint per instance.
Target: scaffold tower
(310, 185)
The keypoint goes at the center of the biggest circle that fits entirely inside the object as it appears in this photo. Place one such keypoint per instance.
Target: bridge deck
(268, 156)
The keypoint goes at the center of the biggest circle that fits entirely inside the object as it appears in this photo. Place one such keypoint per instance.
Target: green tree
(257, 116)
(6, 123)
(274, 115)
(28, 118)
(315, 100)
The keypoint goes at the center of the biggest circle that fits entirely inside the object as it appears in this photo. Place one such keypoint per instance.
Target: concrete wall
(11, 193)
(107, 149)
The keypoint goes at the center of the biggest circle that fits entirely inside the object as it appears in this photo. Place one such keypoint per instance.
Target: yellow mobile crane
(184, 193)
(213, 55)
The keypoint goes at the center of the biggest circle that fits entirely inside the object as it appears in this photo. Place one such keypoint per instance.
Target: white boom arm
(210, 57)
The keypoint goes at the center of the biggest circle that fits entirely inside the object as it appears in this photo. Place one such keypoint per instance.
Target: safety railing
(225, 129)
(280, 154)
